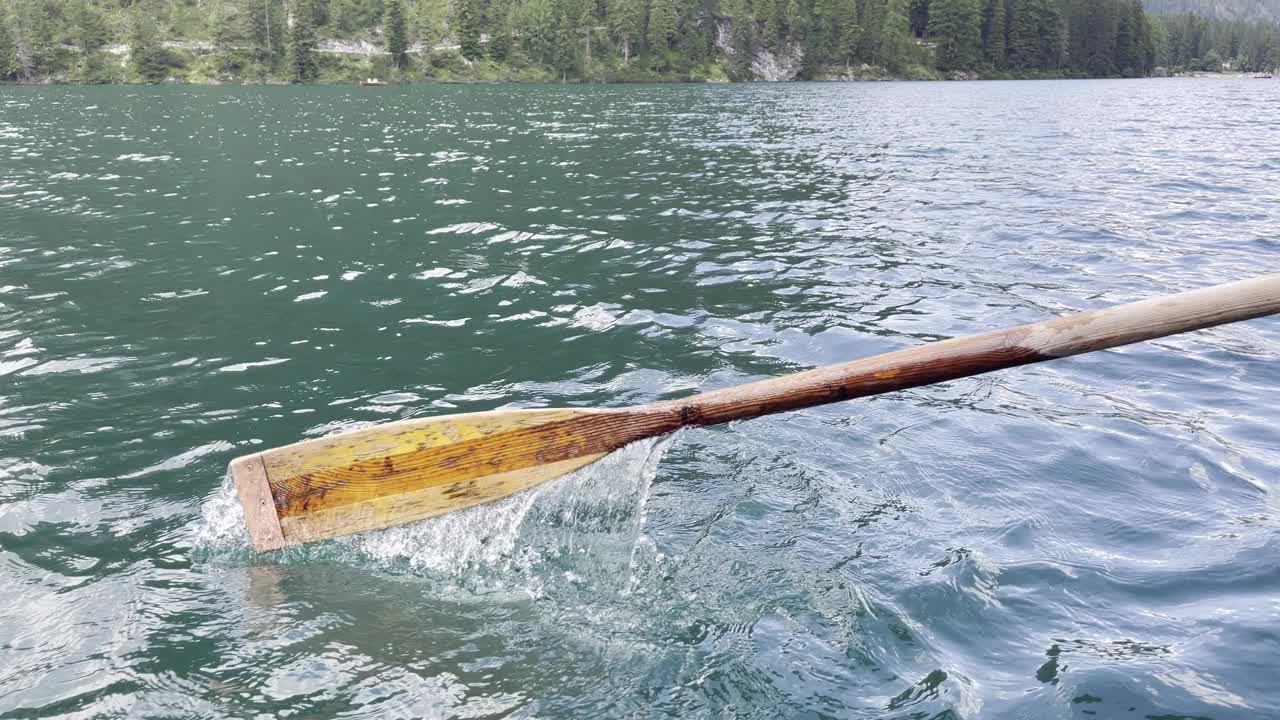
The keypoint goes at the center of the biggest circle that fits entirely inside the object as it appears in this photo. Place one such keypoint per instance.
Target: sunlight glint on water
(188, 274)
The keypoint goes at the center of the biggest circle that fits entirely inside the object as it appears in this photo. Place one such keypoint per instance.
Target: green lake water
(190, 274)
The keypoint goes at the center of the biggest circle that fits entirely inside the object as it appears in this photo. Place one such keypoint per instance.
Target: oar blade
(391, 474)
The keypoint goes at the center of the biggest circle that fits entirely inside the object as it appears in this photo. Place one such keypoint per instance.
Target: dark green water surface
(190, 274)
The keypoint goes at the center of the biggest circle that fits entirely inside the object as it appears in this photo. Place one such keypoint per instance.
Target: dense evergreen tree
(1022, 34)
(397, 32)
(264, 25)
(1100, 37)
(993, 17)
(626, 25)
(871, 19)
(846, 49)
(33, 31)
(302, 44)
(501, 38)
(350, 16)
(146, 55)
(744, 41)
(466, 23)
(920, 10)
(1159, 38)
(1127, 58)
(566, 55)
(895, 36)
(228, 31)
(663, 23)
(8, 49)
(88, 27)
(955, 26)
(773, 13)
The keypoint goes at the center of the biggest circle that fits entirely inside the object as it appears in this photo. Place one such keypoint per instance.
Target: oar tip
(260, 517)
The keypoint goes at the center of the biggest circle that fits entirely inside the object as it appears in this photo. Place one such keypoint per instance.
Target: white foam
(221, 524)
(583, 527)
(596, 510)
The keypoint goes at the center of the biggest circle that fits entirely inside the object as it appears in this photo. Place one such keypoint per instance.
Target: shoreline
(181, 82)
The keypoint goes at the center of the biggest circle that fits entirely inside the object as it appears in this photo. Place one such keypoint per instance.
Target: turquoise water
(189, 274)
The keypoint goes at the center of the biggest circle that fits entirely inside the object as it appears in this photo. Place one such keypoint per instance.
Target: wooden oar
(402, 471)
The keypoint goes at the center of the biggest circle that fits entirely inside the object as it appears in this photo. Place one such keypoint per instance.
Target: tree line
(122, 40)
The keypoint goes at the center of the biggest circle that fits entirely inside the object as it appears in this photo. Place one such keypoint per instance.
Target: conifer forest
(107, 41)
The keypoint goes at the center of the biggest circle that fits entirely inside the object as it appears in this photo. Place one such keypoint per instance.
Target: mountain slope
(1268, 10)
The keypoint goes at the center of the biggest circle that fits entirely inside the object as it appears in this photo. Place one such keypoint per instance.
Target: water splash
(587, 523)
(221, 525)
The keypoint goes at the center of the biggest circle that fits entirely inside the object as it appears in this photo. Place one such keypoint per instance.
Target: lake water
(187, 275)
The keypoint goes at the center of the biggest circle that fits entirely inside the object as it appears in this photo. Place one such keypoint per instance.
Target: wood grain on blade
(389, 510)
(409, 470)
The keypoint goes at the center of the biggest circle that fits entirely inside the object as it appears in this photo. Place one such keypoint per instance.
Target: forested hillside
(1263, 10)
(611, 40)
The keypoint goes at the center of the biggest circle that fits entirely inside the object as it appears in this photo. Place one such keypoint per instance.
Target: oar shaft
(977, 354)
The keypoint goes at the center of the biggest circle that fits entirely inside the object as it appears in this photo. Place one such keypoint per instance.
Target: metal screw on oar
(395, 473)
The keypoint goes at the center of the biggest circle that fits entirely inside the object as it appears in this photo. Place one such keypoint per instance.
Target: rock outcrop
(778, 66)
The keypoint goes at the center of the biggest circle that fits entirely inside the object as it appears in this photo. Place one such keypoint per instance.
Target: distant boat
(1263, 76)
(371, 82)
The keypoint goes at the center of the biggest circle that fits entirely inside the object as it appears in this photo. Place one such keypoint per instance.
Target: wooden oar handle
(962, 357)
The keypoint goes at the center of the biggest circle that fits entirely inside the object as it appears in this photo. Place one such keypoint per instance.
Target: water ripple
(187, 274)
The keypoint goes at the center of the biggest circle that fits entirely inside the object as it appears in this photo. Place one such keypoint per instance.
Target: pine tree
(262, 20)
(1058, 51)
(88, 27)
(1159, 34)
(1127, 48)
(344, 15)
(8, 49)
(566, 20)
(501, 40)
(821, 34)
(396, 32)
(534, 22)
(626, 24)
(895, 35)
(920, 10)
(850, 33)
(88, 34)
(466, 24)
(227, 33)
(774, 14)
(955, 25)
(799, 18)
(1022, 34)
(302, 45)
(1142, 29)
(663, 22)
(993, 33)
(430, 20)
(32, 37)
(145, 53)
(744, 41)
(825, 34)
(320, 12)
(871, 18)
(1100, 37)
